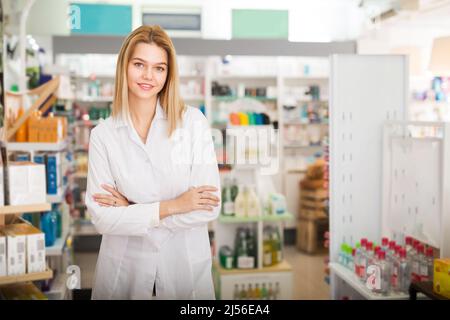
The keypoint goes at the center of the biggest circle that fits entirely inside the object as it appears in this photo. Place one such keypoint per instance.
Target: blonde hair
(169, 96)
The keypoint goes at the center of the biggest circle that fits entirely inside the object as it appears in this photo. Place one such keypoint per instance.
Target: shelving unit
(36, 276)
(36, 146)
(57, 248)
(40, 207)
(266, 218)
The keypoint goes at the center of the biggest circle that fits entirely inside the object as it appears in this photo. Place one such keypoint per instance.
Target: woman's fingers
(207, 195)
(103, 198)
(206, 188)
(208, 202)
(113, 191)
(206, 208)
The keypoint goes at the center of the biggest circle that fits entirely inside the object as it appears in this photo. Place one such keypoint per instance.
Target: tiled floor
(308, 273)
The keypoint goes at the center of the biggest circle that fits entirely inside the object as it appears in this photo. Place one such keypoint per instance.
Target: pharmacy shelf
(57, 248)
(298, 123)
(267, 218)
(92, 99)
(194, 98)
(36, 276)
(233, 98)
(299, 146)
(283, 266)
(304, 79)
(350, 278)
(244, 77)
(41, 207)
(36, 146)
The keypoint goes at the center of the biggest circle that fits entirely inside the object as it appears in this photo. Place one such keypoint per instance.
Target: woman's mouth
(145, 86)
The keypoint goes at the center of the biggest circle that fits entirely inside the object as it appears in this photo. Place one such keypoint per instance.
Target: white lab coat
(138, 249)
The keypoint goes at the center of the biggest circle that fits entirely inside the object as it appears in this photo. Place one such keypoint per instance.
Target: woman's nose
(147, 74)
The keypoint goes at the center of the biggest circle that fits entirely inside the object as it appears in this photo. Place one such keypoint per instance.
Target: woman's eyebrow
(140, 59)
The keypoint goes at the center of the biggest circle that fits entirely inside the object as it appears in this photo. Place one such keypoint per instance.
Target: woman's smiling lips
(145, 86)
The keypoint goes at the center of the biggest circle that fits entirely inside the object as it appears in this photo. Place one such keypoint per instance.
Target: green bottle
(227, 201)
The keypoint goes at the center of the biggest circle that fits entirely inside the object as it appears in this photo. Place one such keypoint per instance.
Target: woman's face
(147, 71)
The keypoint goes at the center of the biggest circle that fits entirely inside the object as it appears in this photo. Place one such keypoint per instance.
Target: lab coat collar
(120, 121)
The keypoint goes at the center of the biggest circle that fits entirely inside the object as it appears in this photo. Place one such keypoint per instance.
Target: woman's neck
(142, 113)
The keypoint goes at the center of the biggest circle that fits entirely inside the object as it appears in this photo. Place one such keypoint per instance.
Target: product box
(27, 183)
(3, 270)
(441, 281)
(16, 255)
(53, 169)
(35, 245)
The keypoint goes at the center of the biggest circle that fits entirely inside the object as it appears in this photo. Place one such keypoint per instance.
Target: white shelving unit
(38, 146)
(355, 151)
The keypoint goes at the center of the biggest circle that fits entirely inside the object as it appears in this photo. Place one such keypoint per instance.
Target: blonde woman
(155, 159)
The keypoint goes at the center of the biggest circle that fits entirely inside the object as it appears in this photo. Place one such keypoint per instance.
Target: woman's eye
(160, 69)
(138, 64)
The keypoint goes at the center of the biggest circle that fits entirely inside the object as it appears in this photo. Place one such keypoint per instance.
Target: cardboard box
(3, 270)
(27, 183)
(34, 245)
(16, 252)
(441, 280)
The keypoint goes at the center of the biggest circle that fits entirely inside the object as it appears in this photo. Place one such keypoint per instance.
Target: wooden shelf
(36, 276)
(283, 266)
(25, 208)
(268, 218)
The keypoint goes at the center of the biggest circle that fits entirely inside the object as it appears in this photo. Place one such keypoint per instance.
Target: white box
(3, 270)
(16, 255)
(27, 183)
(35, 245)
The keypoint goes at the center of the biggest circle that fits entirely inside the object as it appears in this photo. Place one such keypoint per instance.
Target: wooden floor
(308, 273)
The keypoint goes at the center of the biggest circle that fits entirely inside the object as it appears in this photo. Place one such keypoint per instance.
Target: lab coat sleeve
(204, 171)
(133, 220)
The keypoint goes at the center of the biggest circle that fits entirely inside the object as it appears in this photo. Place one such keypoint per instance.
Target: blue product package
(48, 226)
(39, 157)
(52, 173)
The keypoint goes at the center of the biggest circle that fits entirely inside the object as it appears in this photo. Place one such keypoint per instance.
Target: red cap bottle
(392, 245)
(408, 240)
(384, 242)
(429, 252)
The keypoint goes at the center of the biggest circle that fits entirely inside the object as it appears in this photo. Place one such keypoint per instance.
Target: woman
(155, 158)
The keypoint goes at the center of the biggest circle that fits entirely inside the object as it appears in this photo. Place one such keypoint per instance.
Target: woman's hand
(114, 199)
(199, 198)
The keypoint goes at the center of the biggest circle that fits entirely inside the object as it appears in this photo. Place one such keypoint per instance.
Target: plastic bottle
(277, 291)
(418, 262)
(236, 293)
(368, 259)
(413, 261)
(250, 292)
(243, 293)
(257, 293)
(385, 273)
(351, 263)
(357, 259)
(385, 244)
(277, 247)
(240, 205)
(253, 205)
(264, 292)
(395, 264)
(390, 252)
(227, 201)
(22, 132)
(48, 226)
(362, 260)
(267, 247)
(271, 293)
(408, 245)
(427, 266)
(341, 257)
(404, 272)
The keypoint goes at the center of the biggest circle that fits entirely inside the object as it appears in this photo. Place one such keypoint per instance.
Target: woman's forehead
(149, 53)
